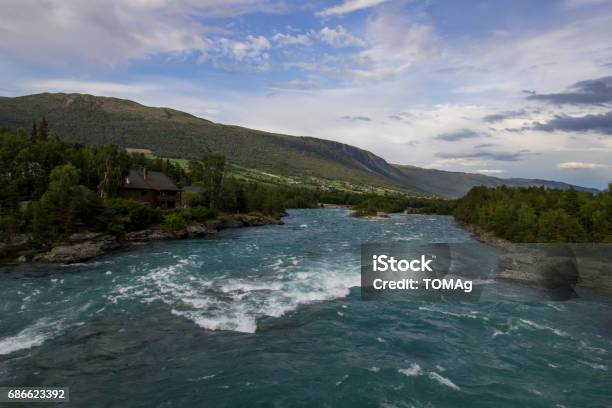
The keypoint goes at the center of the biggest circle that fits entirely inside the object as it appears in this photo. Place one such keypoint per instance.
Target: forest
(53, 187)
(537, 214)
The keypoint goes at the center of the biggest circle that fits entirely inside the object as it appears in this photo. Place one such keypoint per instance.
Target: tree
(570, 202)
(34, 133)
(208, 172)
(66, 206)
(557, 226)
(502, 217)
(112, 166)
(44, 129)
(527, 222)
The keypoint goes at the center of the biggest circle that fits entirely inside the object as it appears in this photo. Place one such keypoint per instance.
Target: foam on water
(342, 380)
(236, 303)
(534, 325)
(31, 336)
(594, 365)
(411, 371)
(471, 315)
(444, 381)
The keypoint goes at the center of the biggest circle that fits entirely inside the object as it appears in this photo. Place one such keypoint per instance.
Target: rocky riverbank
(563, 269)
(85, 246)
(487, 237)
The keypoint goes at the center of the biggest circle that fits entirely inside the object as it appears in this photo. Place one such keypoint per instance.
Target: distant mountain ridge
(92, 119)
(456, 184)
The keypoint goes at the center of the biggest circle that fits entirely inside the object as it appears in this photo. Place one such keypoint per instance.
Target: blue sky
(505, 88)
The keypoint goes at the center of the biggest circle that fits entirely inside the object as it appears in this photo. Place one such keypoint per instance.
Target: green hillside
(170, 133)
(167, 132)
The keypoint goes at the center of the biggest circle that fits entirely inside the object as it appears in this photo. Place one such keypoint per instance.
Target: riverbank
(84, 246)
(486, 237)
(558, 267)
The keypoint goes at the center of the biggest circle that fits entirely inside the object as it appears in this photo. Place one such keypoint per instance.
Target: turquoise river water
(272, 316)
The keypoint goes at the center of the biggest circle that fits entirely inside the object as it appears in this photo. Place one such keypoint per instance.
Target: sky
(503, 88)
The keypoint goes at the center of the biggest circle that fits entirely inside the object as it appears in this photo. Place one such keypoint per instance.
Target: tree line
(537, 214)
(52, 187)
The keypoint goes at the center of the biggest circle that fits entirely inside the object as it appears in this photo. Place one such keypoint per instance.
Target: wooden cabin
(151, 187)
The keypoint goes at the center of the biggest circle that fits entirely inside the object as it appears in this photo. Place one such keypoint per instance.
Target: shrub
(174, 221)
(120, 216)
(198, 214)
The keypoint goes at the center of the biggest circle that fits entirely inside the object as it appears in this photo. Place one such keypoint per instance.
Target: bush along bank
(129, 222)
(84, 246)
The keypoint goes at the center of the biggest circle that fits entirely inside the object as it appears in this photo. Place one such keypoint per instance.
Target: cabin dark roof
(149, 180)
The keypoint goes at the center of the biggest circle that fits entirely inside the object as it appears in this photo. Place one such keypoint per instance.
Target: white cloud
(289, 39)
(252, 47)
(111, 33)
(490, 171)
(546, 62)
(339, 37)
(348, 6)
(379, 73)
(296, 84)
(92, 87)
(393, 45)
(393, 39)
(581, 165)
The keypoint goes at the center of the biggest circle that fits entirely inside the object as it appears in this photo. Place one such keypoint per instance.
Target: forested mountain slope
(167, 132)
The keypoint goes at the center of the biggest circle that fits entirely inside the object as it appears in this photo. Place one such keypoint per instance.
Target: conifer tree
(44, 129)
(34, 133)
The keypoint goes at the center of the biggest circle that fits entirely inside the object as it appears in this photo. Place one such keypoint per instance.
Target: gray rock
(79, 252)
(160, 234)
(84, 236)
(213, 226)
(22, 259)
(142, 235)
(199, 230)
(230, 222)
(180, 234)
(72, 253)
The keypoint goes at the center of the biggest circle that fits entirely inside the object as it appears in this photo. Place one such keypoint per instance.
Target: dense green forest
(392, 203)
(538, 214)
(53, 187)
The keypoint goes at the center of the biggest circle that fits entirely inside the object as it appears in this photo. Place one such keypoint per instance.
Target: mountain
(456, 184)
(167, 132)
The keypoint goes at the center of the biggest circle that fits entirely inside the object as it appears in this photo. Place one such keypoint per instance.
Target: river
(272, 316)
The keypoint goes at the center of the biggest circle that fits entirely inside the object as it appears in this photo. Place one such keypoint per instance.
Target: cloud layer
(590, 92)
(434, 84)
(348, 6)
(588, 123)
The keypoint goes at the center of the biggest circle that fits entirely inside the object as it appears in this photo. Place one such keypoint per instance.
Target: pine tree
(34, 133)
(44, 129)
(570, 202)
